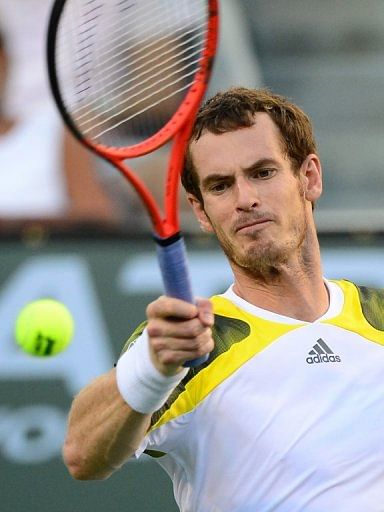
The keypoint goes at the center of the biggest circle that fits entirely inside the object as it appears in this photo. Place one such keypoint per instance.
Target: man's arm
(103, 430)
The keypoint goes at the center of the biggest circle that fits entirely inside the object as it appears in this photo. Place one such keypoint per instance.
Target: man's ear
(201, 216)
(311, 176)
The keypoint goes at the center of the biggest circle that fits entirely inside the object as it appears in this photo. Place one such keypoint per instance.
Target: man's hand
(178, 332)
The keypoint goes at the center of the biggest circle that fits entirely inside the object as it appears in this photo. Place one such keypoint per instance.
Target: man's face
(253, 201)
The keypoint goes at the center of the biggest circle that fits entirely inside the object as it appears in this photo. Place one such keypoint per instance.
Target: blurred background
(70, 227)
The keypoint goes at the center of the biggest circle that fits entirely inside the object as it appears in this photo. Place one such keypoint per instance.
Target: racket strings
(146, 81)
(129, 63)
(124, 26)
(155, 71)
(135, 57)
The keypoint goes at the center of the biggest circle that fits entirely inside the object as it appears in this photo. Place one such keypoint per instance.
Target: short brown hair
(235, 108)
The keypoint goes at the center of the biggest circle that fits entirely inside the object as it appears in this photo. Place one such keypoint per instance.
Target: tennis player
(287, 414)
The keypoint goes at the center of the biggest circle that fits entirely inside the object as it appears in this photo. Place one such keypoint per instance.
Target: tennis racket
(128, 77)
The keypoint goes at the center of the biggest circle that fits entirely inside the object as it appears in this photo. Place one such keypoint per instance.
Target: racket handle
(172, 257)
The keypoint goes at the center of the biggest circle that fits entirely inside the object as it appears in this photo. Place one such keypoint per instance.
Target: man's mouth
(252, 225)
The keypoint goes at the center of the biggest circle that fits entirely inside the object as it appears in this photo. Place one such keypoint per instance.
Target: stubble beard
(260, 259)
(265, 259)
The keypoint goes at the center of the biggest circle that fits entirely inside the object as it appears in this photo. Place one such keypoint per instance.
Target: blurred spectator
(56, 179)
(45, 173)
(24, 25)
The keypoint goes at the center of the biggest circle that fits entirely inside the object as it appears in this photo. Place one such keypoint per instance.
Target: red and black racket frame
(171, 251)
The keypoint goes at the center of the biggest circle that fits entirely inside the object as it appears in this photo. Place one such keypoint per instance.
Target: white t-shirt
(31, 168)
(288, 416)
(24, 23)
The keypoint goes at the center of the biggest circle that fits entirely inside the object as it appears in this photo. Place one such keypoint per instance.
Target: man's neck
(299, 302)
(291, 290)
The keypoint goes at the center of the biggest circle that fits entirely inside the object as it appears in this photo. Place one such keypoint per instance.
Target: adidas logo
(321, 353)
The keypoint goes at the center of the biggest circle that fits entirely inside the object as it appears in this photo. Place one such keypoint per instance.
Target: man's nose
(247, 194)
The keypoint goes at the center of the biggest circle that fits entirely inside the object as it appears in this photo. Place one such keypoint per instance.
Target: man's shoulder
(370, 299)
(372, 305)
(366, 293)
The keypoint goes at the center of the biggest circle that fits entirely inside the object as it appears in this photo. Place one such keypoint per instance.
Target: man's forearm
(103, 431)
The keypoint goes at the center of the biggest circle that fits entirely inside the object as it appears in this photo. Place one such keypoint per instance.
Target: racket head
(119, 68)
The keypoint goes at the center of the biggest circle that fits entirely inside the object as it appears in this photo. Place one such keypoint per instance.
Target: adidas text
(324, 358)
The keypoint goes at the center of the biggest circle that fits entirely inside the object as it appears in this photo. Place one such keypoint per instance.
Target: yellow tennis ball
(44, 327)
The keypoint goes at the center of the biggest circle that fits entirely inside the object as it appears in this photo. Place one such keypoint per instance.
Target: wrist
(166, 370)
(143, 387)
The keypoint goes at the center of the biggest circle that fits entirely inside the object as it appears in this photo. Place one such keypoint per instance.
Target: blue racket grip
(172, 257)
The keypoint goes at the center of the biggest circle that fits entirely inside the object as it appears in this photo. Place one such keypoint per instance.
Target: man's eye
(218, 187)
(264, 173)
